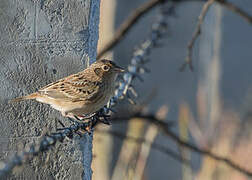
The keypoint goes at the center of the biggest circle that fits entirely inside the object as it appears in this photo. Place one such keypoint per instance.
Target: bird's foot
(94, 117)
(88, 116)
(88, 122)
(84, 126)
(103, 116)
(89, 126)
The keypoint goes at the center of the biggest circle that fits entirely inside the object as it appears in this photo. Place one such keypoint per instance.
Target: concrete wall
(40, 42)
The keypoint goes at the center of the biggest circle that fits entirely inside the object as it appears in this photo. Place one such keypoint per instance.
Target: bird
(80, 94)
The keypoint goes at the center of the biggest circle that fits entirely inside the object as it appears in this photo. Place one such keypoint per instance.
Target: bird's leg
(97, 116)
(86, 121)
(88, 116)
(65, 128)
(70, 117)
(87, 125)
(74, 118)
(89, 120)
(62, 125)
(101, 113)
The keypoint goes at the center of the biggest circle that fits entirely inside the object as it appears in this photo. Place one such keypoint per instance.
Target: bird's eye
(105, 68)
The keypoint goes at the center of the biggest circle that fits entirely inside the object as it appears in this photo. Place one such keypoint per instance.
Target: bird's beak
(119, 69)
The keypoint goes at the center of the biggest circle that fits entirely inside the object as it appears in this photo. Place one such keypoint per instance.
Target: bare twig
(206, 6)
(145, 8)
(128, 23)
(156, 146)
(164, 126)
(236, 10)
(188, 60)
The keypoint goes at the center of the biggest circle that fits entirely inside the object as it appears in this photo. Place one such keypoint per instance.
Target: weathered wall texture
(42, 41)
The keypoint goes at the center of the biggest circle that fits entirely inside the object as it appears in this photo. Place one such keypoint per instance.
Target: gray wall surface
(40, 42)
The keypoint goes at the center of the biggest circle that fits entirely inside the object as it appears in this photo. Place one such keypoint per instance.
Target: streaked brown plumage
(82, 93)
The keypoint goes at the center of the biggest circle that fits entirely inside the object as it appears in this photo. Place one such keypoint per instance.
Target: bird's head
(106, 67)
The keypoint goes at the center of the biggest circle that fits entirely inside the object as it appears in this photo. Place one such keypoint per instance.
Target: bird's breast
(97, 101)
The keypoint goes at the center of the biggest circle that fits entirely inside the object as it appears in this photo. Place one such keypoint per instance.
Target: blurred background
(210, 107)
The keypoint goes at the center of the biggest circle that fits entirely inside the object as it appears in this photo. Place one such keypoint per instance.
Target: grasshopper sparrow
(80, 94)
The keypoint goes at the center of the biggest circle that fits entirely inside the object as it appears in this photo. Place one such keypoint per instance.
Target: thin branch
(188, 60)
(128, 24)
(125, 27)
(165, 127)
(206, 6)
(236, 10)
(156, 146)
(131, 21)
(145, 8)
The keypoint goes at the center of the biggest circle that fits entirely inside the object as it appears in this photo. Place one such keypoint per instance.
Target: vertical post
(210, 66)
(42, 41)
(103, 145)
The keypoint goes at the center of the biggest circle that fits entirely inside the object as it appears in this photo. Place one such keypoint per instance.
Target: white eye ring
(105, 67)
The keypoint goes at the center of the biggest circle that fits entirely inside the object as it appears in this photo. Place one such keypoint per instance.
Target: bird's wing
(77, 87)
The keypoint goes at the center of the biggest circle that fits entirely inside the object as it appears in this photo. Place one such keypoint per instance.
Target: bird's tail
(30, 96)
